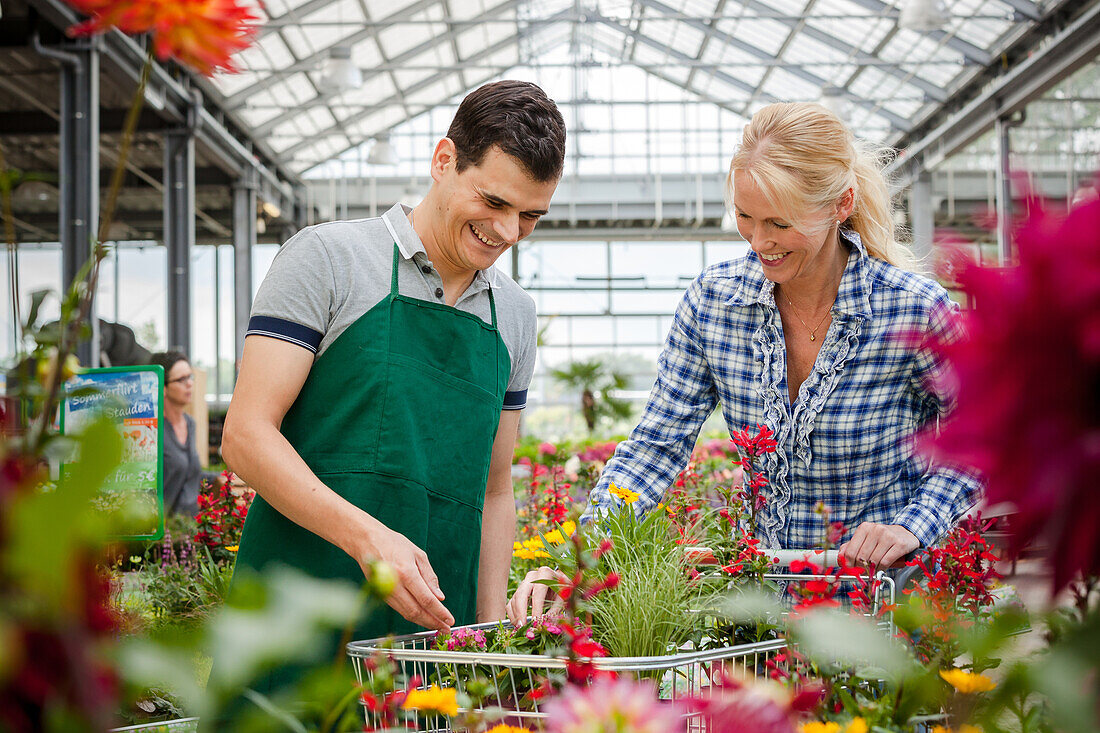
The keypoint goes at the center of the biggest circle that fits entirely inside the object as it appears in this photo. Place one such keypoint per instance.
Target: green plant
(649, 611)
(596, 381)
(181, 583)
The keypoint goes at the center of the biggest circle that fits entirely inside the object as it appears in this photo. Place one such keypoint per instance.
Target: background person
(182, 469)
(816, 333)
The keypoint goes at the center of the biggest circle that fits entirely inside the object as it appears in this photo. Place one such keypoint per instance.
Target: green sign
(133, 397)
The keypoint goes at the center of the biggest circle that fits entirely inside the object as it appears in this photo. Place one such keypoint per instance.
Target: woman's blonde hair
(804, 160)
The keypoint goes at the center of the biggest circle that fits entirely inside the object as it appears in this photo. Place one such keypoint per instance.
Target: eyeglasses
(188, 378)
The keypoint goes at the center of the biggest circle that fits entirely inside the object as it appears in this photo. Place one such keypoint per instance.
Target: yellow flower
(561, 536)
(818, 726)
(524, 554)
(442, 701)
(232, 548)
(502, 728)
(967, 682)
(964, 729)
(529, 549)
(628, 496)
(858, 725)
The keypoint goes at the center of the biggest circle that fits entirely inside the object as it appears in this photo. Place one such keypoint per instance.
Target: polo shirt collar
(409, 244)
(852, 298)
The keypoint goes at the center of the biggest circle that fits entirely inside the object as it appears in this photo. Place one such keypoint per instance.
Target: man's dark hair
(518, 118)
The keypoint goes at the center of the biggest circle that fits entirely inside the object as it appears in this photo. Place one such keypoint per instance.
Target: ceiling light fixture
(33, 190)
(270, 209)
(382, 152)
(340, 74)
(922, 16)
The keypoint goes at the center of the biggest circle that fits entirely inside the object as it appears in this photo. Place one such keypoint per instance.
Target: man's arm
(498, 523)
(272, 373)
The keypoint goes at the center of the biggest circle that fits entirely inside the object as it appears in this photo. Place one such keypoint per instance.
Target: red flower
(753, 445)
(608, 583)
(202, 34)
(1028, 375)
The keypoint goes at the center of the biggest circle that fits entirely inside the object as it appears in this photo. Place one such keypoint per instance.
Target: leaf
(271, 709)
(50, 530)
(749, 606)
(1063, 677)
(37, 297)
(290, 626)
(829, 636)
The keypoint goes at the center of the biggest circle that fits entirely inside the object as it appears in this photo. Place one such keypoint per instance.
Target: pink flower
(611, 706)
(547, 449)
(764, 706)
(1028, 377)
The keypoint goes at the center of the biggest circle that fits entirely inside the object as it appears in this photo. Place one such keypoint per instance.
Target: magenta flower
(1028, 378)
(618, 705)
(760, 706)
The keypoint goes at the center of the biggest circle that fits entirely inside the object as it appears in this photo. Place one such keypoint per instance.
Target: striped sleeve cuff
(515, 400)
(927, 525)
(279, 328)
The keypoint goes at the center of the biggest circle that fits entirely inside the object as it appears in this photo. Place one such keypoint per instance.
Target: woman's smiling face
(785, 252)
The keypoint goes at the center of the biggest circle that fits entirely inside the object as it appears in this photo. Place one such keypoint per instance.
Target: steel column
(179, 233)
(78, 170)
(244, 239)
(921, 215)
(1004, 186)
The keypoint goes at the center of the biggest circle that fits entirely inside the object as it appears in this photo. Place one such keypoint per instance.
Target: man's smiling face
(486, 208)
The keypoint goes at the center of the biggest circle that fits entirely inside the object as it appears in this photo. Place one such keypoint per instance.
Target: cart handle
(777, 558)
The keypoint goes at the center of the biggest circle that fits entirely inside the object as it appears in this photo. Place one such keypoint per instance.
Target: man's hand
(535, 592)
(878, 545)
(416, 595)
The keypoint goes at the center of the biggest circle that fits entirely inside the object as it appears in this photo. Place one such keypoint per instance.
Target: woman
(182, 471)
(817, 333)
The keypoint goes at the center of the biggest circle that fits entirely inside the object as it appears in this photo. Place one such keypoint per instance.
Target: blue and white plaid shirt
(846, 441)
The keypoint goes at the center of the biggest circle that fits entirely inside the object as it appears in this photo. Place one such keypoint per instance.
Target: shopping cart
(680, 675)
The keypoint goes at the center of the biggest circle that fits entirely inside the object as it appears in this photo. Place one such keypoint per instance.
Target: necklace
(813, 331)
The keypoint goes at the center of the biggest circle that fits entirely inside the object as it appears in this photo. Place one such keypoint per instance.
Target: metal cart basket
(682, 674)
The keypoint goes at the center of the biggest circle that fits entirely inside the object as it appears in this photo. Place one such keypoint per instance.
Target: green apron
(398, 416)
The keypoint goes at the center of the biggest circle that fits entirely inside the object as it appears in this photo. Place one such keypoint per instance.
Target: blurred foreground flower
(856, 725)
(762, 706)
(611, 706)
(202, 34)
(502, 728)
(443, 701)
(1028, 413)
(967, 682)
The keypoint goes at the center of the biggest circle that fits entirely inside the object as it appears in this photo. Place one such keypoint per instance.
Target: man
(386, 362)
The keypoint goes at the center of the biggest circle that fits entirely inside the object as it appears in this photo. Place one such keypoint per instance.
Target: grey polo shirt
(326, 276)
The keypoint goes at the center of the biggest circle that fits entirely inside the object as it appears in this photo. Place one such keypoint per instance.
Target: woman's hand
(535, 592)
(878, 545)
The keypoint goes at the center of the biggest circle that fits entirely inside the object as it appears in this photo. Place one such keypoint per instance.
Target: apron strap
(393, 271)
(492, 307)
(393, 268)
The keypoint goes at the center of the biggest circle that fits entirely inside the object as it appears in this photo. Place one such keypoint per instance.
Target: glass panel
(659, 263)
(722, 251)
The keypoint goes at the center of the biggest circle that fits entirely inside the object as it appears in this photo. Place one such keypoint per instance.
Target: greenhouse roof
(726, 56)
